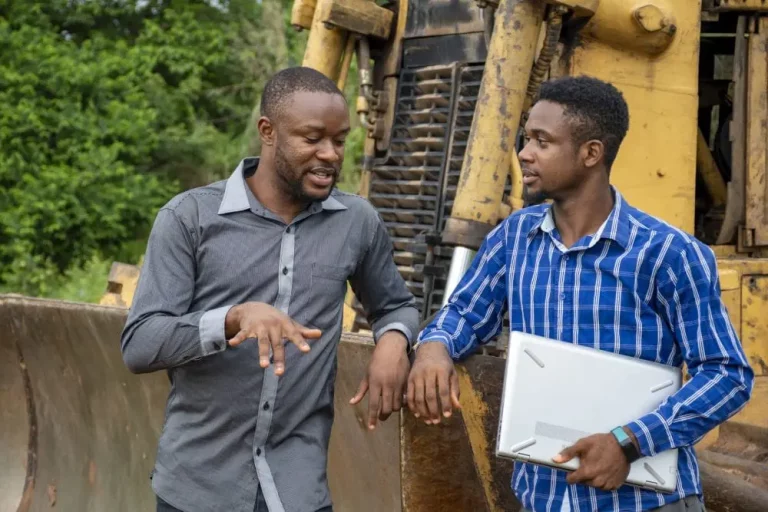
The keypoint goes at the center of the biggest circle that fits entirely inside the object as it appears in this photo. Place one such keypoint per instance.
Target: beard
(291, 181)
(533, 198)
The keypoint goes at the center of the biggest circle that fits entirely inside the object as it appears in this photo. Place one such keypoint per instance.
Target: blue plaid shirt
(638, 287)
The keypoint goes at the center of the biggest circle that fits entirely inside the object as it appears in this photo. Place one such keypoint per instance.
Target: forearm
(158, 341)
(711, 397)
(403, 320)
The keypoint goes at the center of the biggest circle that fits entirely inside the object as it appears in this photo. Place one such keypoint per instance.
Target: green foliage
(110, 107)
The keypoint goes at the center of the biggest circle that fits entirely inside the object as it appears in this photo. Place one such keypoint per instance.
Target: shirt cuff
(395, 326)
(437, 337)
(652, 434)
(212, 330)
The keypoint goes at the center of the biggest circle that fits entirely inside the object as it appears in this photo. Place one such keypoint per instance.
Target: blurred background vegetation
(108, 108)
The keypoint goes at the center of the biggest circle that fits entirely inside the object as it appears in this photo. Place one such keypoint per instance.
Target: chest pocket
(322, 273)
(326, 298)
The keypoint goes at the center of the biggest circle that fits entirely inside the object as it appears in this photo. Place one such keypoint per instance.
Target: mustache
(326, 168)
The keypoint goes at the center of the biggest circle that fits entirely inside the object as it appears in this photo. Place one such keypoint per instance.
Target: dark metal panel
(97, 424)
(363, 465)
(440, 17)
(443, 50)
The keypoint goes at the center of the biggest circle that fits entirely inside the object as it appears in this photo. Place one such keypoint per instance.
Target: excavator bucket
(78, 431)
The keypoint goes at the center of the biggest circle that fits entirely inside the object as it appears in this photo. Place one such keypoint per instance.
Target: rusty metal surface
(734, 211)
(441, 17)
(82, 433)
(452, 466)
(363, 466)
(737, 5)
(466, 233)
(361, 16)
(757, 137)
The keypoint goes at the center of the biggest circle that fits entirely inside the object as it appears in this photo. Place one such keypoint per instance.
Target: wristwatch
(627, 446)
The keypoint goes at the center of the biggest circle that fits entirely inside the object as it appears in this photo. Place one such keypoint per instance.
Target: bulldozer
(444, 88)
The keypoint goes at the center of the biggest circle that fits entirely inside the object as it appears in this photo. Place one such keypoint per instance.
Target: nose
(526, 154)
(327, 152)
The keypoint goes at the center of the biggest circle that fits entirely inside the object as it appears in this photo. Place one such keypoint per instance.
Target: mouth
(529, 177)
(322, 177)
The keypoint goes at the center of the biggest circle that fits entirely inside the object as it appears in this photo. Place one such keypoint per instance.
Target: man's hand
(433, 377)
(386, 378)
(270, 327)
(602, 463)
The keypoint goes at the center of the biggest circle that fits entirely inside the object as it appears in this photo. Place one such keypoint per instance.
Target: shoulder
(678, 250)
(188, 205)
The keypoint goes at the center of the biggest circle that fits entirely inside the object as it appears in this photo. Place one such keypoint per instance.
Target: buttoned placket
(271, 380)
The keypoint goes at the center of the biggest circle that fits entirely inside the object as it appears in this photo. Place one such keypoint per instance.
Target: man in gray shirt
(240, 299)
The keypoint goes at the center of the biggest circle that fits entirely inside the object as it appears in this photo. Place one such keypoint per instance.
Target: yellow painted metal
(121, 286)
(474, 411)
(656, 165)
(498, 111)
(742, 5)
(709, 172)
(756, 198)
(302, 13)
(349, 52)
(648, 27)
(325, 44)
(581, 8)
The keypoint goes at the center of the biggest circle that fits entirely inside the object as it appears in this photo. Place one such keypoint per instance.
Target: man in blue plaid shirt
(591, 269)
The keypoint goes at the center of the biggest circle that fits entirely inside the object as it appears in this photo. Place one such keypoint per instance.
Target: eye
(340, 142)
(312, 140)
(542, 143)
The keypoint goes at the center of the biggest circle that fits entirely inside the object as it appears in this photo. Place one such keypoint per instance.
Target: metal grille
(413, 188)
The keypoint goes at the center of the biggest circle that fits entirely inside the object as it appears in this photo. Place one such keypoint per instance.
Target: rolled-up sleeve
(160, 331)
(380, 288)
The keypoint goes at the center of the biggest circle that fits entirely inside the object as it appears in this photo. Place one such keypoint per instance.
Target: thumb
(311, 334)
(361, 391)
(569, 453)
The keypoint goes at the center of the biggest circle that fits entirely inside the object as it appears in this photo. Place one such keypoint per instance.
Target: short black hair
(288, 81)
(597, 109)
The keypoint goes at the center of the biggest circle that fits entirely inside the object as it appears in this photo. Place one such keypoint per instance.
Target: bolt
(650, 17)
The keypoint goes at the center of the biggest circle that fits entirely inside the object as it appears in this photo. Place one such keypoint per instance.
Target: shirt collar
(238, 197)
(615, 227)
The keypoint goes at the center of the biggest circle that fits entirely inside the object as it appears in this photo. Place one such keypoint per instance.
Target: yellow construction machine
(444, 87)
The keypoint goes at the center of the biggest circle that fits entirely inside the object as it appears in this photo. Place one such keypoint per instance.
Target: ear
(266, 131)
(592, 153)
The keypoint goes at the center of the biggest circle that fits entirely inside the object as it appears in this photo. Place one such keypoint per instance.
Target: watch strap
(626, 444)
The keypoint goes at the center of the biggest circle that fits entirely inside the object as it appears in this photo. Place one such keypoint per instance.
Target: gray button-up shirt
(232, 426)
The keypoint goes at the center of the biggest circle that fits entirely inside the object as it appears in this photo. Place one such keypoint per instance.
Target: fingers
(411, 395)
(444, 391)
(421, 404)
(433, 409)
(570, 452)
(362, 389)
(263, 340)
(239, 338)
(374, 402)
(278, 352)
(385, 409)
(455, 392)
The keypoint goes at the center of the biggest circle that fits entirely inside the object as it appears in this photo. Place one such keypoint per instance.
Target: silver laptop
(556, 393)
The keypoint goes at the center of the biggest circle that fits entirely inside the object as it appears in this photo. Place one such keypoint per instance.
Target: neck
(266, 187)
(583, 212)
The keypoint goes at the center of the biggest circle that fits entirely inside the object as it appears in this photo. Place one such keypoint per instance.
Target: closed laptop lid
(556, 393)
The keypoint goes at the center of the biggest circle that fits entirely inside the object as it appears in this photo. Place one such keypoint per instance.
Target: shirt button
(258, 452)
(565, 257)
(285, 271)
(216, 346)
(266, 406)
(562, 296)
(288, 229)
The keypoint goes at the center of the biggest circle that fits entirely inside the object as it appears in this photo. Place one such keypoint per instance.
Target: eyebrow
(539, 131)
